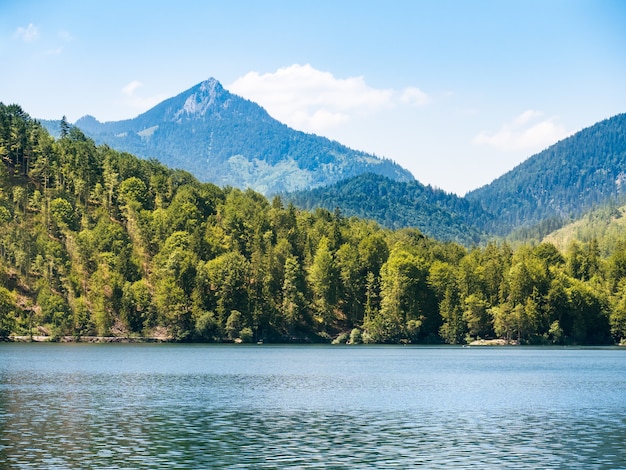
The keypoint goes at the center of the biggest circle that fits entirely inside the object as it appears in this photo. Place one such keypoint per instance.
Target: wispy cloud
(528, 131)
(66, 36)
(28, 34)
(130, 89)
(314, 100)
(414, 96)
(138, 102)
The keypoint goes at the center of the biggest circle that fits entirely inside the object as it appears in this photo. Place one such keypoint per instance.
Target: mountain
(545, 192)
(396, 204)
(230, 141)
(605, 225)
(564, 181)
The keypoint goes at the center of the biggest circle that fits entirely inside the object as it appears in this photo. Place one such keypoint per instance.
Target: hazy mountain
(606, 225)
(547, 190)
(396, 204)
(564, 181)
(228, 140)
(225, 139)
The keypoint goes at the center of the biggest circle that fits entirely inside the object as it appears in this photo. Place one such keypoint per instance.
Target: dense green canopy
(98, 242)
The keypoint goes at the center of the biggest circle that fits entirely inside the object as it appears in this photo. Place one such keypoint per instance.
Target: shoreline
(493, 342)
(85, 339)
(164, 339)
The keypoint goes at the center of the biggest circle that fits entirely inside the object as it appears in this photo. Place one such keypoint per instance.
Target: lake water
(263, 406)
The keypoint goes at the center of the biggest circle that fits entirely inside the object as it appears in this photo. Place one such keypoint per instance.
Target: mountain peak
(210, 83)
(228, 140)
(203, 96)
(88, 123)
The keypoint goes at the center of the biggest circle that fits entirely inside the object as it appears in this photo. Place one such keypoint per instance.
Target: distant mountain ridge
(230, 141)
(564, 181)
(398, 204)
(549, 189)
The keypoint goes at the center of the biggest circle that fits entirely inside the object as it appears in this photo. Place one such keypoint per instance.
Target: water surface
(235, 406)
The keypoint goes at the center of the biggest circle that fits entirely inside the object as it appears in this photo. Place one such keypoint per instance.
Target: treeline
(401, 204)
(98, 242)
(563, 181)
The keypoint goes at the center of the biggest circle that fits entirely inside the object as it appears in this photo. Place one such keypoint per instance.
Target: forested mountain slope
(605, 226)
(565, 180)
(396, 204)
(227, 140)
(98, 242)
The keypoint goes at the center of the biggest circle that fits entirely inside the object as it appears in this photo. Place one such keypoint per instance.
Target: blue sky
(458, 92)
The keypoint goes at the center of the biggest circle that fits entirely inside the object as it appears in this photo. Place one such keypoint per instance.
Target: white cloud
(130, 89)
(414, 96)
(525, 132)
(312, 100)
(28, 34)
(138, 102)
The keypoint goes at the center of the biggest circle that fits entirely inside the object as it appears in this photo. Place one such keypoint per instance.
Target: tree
(225, 285)
(132, 191)
(174, 308)
(403, 293)
(62, 213)
(323, 279)
(616, 265)
(292, 307)
(452, 330)
(234, 324)
(590, 314)
(504, 323)
(55, 311)
(20, 198)
(7, 312)
(64, 127)
(352, 283)
(476, 316)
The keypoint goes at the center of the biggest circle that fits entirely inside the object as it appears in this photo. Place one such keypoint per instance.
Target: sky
(458, 92)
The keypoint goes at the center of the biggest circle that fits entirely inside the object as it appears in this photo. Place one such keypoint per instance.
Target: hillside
(229, 141)
(98, 242)
(558, 185)
(564, 181)
(605, 226)
(395, 205)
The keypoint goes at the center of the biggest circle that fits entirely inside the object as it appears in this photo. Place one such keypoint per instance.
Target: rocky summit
(230, 141)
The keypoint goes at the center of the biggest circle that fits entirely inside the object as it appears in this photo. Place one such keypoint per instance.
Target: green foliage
(323, 281)
(62, 213)
(54, 310)
(563, 181)
(98, 242)
(356, 336)
(206, 327)
(7, 312)
(132, 190)
(397, 204)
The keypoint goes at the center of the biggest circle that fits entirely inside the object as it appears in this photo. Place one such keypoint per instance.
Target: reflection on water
(151, 406)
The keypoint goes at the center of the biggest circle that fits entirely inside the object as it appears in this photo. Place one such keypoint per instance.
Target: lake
(265, 406)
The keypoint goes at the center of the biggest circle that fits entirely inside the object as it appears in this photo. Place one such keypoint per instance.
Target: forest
(564, 181)
(96, 242)
(400, 204)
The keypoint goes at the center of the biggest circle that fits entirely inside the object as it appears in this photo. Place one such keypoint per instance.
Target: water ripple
(281, 417)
